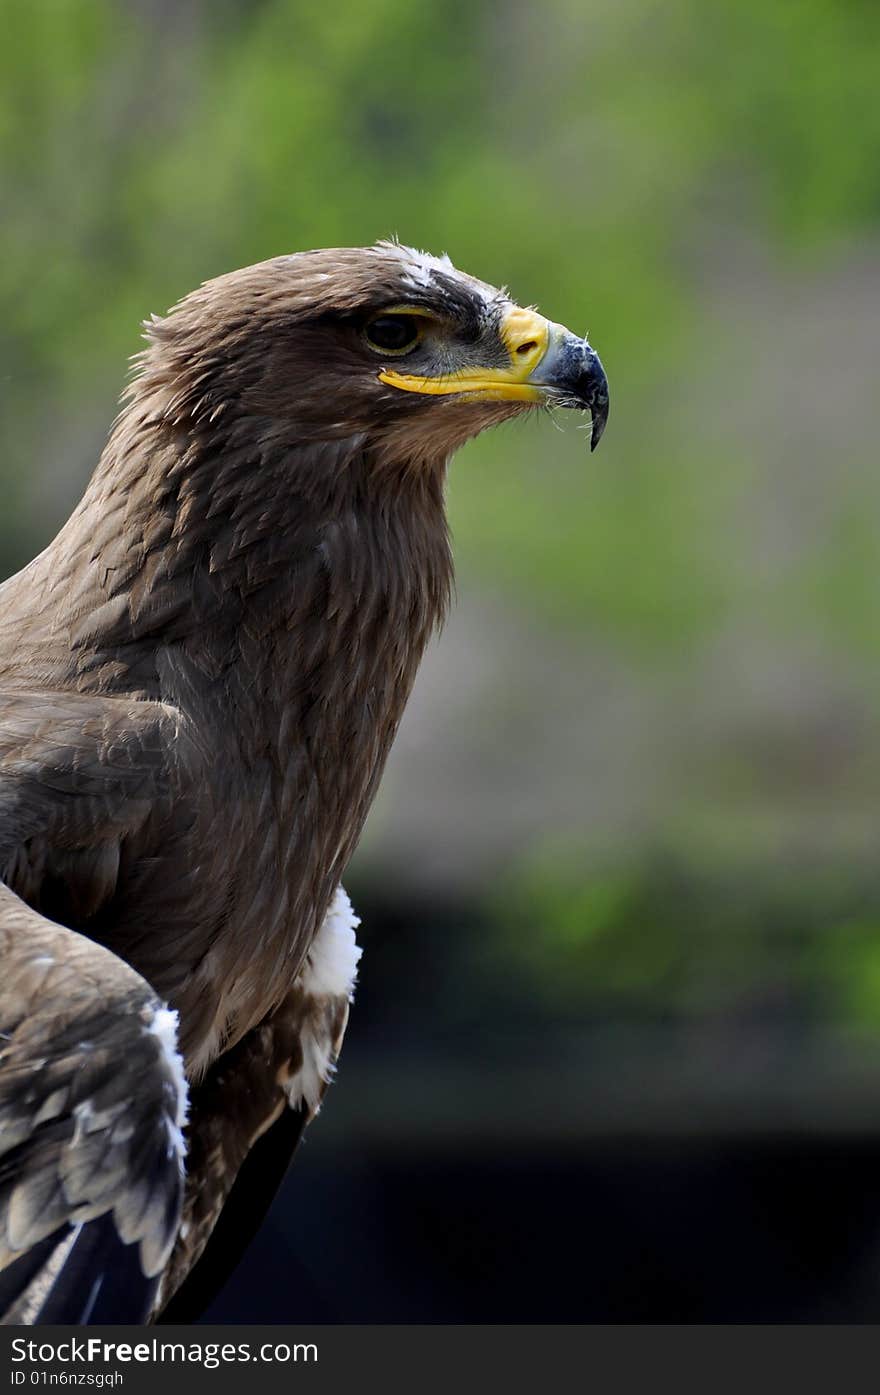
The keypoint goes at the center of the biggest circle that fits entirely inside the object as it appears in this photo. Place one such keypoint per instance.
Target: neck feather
(223, 538)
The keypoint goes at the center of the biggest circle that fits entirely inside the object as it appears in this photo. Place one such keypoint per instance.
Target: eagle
(200, 681)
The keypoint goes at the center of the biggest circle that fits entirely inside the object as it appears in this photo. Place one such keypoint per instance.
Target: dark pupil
(392, 331)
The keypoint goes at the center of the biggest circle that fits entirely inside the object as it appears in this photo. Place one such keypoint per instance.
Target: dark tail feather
(77, 1276)
(17, 1277)
(253, 1192)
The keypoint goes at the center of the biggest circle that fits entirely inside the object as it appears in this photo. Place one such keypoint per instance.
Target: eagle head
(384, 347)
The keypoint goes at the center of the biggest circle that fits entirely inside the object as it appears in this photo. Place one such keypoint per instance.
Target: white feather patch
(163, 1026)
(314, 1075)
(418, 267)
(329, 973)
(331, 967)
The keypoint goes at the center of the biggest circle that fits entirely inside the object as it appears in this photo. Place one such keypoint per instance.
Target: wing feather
(92, 1105)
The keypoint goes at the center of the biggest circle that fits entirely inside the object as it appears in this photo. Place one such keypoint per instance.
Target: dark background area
(476, 1163)
(759, 1230)
(616, 1049)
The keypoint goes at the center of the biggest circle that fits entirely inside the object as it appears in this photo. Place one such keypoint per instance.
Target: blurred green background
(632, 815)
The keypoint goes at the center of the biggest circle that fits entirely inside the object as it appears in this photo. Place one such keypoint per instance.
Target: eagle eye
(393, 334)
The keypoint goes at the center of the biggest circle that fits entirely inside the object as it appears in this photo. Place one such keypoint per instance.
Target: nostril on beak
(528, 348)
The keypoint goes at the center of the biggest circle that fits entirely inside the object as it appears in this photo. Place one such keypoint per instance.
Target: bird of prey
(200, 681)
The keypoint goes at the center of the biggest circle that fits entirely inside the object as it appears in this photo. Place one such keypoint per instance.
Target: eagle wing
(92, 1093)
(80, 775)
(92, 1101)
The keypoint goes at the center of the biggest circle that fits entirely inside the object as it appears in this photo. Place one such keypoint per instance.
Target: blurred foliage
(617, 162)
(679, 934)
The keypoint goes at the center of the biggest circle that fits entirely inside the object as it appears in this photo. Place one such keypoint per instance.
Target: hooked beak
(548, 364)
(571, 373)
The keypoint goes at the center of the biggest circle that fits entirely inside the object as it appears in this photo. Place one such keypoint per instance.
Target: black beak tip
(575, 373)
(592, 391)
(599, 414)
